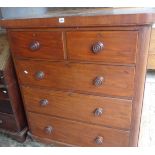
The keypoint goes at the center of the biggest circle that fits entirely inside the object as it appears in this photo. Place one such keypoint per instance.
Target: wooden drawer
(39, 45)
(106, 46)
(88, 108)
(76, 133)
(7, 122)
(91, 78)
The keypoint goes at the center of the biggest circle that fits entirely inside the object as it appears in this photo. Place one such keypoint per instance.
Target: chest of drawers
(82, 80)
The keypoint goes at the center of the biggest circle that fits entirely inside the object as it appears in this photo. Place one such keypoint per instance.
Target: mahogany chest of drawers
(12, 118)
(82, 77)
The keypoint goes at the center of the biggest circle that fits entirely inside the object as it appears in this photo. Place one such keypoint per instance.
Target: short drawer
(105, 46)
(87, 108)
(76, 133)
(89, 78)
(7, 122)
(37, 44)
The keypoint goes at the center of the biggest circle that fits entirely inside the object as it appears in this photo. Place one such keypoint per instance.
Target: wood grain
(116, 112)
(119, 46)
(69, 84)
(76, 133)
(81, 21)
(51, 45)
(75, 76)
(140, 76)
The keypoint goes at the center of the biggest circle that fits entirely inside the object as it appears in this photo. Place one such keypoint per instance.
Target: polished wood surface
(116, 112)
(50, 44)
(118, 46)
(76, 133)
(101, 72)
(114, 17)
(78, 77)
(140, 76)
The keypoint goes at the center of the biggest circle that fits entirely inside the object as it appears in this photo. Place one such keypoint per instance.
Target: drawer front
(41, 45)
(88, 108)
(76, 133)
(7, 122)
(106, 46)
(5, 106)
(91, 78)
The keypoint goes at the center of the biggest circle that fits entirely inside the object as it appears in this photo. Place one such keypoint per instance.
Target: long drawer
(105, 46)
(87, 108)
(91, 78)
(76, 133)
(37, 44)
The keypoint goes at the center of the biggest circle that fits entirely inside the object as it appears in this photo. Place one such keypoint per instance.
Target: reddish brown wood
(140, 75)
(76, 133)
(75, 76)
(118, 46)
(116, 112)
(82, 79)
(14, 95)
(51, 45)
(78, 21)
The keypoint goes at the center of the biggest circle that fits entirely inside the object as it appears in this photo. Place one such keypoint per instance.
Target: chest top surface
(79, 17)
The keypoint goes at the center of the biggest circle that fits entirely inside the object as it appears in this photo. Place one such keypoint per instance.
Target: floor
(147, 131)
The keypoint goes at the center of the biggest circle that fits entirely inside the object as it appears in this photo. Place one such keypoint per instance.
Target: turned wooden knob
(40, 75)
(98, 81)
(43, 102)
(48, 129)
(98, 112)
(35, 45)
(99, 140)
(97, 47)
